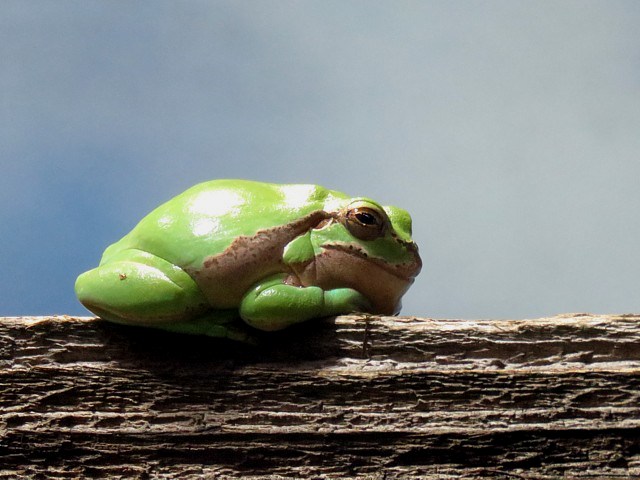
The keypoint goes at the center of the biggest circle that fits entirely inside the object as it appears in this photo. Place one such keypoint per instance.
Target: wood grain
(350, 397)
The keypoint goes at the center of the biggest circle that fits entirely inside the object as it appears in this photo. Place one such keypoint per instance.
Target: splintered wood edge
(34, 321)
(572, 320)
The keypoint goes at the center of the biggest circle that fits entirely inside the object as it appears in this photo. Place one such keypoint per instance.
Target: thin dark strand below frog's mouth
(403, 271)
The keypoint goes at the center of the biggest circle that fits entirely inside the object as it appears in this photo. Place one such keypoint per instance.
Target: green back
(206, 218)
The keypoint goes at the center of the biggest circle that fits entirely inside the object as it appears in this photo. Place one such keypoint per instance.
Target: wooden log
(350, 397)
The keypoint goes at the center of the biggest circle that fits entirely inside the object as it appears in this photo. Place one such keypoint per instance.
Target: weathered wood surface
(344, 398)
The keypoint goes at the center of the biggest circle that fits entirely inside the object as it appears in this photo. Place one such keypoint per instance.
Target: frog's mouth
(403, 271)
(382, 283)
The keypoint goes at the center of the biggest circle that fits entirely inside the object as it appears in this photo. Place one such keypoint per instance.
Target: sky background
(509, 130)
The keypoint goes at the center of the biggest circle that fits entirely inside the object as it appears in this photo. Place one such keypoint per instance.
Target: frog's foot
(274, 305)
(138, 288)
(220, 323)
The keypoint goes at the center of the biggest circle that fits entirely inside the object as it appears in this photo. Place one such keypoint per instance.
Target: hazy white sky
(509, 130)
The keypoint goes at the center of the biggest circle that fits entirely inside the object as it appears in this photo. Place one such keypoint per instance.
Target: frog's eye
(365, 223)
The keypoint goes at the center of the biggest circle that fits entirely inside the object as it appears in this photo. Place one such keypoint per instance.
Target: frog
(230, 256)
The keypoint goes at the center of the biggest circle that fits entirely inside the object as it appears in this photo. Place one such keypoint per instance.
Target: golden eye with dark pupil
(365, 223)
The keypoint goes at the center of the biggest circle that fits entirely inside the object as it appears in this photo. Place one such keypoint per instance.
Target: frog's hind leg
(138, 288)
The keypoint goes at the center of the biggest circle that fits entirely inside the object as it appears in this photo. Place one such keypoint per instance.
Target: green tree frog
(271, 255)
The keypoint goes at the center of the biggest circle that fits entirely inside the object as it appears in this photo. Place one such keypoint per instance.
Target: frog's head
(368, 247)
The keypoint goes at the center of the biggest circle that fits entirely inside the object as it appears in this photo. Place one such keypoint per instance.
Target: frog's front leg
(274, 305)
(138, 288)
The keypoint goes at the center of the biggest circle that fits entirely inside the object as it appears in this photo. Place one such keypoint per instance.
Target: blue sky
(509, 130)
